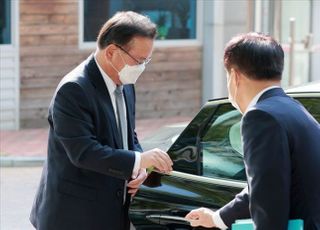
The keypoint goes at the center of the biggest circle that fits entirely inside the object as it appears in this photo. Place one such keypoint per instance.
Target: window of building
(175, 20)
(5, 22)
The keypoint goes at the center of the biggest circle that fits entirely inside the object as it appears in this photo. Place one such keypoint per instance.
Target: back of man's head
(258, 56)
(123, 26)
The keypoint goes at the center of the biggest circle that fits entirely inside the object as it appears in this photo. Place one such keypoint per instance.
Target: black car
(208, 165)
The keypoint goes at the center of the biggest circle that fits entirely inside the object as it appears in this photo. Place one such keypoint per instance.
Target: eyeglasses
(146, 61)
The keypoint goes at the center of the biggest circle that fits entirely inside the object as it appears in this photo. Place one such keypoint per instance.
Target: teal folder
(247, 224)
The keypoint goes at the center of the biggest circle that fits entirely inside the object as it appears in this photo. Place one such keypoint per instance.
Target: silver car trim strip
(228, 183)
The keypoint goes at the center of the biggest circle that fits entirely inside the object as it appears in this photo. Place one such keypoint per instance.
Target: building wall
(223, 20)
(170, 86)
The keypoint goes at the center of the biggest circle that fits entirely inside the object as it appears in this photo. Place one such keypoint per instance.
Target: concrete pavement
(17, 190)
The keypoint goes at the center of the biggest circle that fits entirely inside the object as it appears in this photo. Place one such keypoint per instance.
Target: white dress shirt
(111, 86)
(216, 216)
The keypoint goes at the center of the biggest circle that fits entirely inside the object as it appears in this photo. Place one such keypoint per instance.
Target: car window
(185, 150)
(211, 144)
(312, 105)
(221, 147)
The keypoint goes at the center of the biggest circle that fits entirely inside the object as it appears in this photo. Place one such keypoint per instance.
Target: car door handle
(166, 219)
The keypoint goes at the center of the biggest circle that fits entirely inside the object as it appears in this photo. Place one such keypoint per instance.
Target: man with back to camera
(95, 163)
(280, 143)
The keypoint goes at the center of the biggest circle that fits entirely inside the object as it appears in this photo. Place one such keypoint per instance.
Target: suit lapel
(96, 79)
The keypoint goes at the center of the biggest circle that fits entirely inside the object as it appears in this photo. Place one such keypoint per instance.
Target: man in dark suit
(281, 143)
(95, 163)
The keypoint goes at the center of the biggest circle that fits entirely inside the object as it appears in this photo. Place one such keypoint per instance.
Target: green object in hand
(150, 169)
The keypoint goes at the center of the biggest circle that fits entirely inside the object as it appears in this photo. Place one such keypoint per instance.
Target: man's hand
(135, 184)
(158, 159)
(201, 217)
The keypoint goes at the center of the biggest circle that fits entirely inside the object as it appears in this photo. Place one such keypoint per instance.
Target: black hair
(257, 55)
(123, 26)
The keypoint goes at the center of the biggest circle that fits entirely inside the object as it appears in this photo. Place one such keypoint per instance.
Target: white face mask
(230, 97)
(129, 74)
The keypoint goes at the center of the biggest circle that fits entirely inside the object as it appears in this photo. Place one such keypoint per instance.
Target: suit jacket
(84, 176)
(282, 160)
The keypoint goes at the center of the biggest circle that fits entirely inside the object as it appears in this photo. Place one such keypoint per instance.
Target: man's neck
(252, 89)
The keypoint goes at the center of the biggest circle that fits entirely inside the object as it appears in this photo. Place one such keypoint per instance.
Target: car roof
(311, 87)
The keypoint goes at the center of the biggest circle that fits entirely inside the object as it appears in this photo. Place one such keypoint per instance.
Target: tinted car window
(211, 144)
(185, 150)
(312, 105)
(220, 145)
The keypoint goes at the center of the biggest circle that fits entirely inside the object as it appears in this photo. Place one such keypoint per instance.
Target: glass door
(295, 36)
(296, 24)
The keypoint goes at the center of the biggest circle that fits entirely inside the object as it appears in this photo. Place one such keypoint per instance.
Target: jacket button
(119, 193)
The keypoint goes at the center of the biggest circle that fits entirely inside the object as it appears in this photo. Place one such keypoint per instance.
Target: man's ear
(109, 51)
(237, 76)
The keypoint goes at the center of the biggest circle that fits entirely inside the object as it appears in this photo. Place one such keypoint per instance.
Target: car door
(208, 167)
(208, 171)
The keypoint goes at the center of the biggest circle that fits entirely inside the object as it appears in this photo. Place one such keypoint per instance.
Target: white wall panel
(9, 75)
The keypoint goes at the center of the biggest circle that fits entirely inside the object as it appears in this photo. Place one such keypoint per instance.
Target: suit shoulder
(283, 108)
(274, 103)
(73, 85)
(261, 123)
(285, 111)
(258, 115)
(75, 78)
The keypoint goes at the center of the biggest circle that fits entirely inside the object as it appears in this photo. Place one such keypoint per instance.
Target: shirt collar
(108, 81)
(254, 101)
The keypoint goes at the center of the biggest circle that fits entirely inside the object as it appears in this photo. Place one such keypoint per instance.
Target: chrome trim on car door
(226, 182)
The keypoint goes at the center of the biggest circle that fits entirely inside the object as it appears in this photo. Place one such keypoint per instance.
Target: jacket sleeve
(74, 127)
(268, 168)
(137, 146)
(238, 208)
